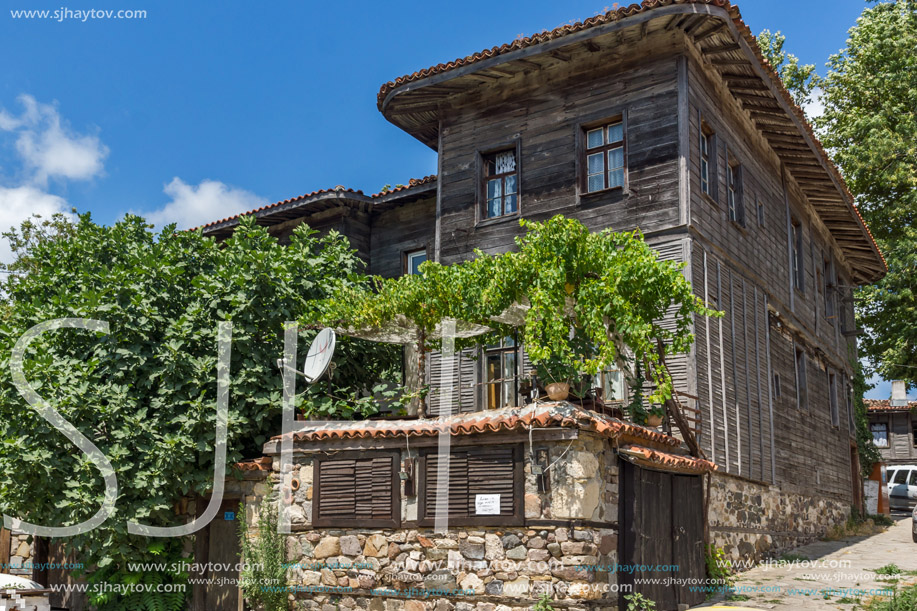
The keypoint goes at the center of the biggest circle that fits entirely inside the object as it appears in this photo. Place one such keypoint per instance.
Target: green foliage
(543, 604)
(593, 300)
(888, 569)
(264, 576)
(799, 80)
(638, 602)
(870, 126)
(145, 394)
(866, 449)
(719, 568)
(902, 600)
(139, 587)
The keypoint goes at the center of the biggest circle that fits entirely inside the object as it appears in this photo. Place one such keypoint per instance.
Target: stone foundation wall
(569, 536)
(753, 521)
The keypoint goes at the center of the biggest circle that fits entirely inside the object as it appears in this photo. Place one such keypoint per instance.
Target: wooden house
(662, 117)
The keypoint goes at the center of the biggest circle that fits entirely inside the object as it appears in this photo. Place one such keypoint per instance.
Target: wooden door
(217, 548)
(661, 523)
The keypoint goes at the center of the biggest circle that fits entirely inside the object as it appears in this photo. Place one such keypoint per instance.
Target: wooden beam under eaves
(721, 49)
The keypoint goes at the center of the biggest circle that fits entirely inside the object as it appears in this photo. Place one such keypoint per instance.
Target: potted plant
(654, 416)
(556, 373)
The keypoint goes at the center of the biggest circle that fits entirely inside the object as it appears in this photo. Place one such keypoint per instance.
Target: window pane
(616, 178)
(595, 183)
(493, 373)
(615, 132)
(414, 261)
(704, 176)
(510, 182)
(509, 375)
(594, 164)
(614, 386)
(506, 162)
(510, 204)
(616, 158)
(594, 138)
(494, 188)
(703, 144)
(493, 207)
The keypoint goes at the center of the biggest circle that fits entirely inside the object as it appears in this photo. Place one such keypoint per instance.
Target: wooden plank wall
(543, 111)
(745, 272)
(400, 230)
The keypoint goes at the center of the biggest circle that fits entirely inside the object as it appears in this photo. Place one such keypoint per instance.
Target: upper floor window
(605, 156)
(735, 206)
(830, 283)
(413, 261)
(705, 142)
(832, 399)
(879, 434)
(760, 206)
(796, 263)
(801, 386)
(501, 183)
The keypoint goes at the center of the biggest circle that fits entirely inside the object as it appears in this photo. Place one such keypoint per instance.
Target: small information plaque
(487, 504)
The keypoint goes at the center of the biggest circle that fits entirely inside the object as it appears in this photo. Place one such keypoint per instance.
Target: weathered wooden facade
(661, 117)
(894, 429)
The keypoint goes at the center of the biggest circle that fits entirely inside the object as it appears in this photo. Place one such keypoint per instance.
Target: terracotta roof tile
(616, 15)
(542, 415)
(414, 182)
(337, 189)
(885, 405)
(255, 464)
(655, 459)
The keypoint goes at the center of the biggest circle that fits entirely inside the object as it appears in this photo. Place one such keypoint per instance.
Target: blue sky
(200, 111)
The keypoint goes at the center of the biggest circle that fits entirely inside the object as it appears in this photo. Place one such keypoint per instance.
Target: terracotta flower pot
(653, 420)
(558, 391)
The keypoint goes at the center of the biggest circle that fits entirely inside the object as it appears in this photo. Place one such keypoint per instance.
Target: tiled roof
(617, 15)
(884, 405)
(664, 461)
(337, 189)
(414, 182)
(541, 415)
(255, 464)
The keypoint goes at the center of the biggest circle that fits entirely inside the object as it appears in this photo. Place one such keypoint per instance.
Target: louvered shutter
(677, 363)
(361, 490)
(463, 379)
(474, 471)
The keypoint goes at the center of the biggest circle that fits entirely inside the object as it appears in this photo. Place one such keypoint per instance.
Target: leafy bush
(638, 602)
(264, 574)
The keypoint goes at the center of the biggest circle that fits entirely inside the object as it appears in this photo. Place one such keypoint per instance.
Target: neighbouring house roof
(715, 26)
(321, 200)
(885, 405)
(645, 446)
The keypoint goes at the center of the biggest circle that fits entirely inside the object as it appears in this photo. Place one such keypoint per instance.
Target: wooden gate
(662, 525)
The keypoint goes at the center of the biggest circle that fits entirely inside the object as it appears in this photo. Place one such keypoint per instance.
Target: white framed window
(501, 374)
(501, 183)
(413, 260)
(605, 156)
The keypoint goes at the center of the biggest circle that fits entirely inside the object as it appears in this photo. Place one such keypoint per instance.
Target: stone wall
(570, 532)
(753, 521)
(20, 556)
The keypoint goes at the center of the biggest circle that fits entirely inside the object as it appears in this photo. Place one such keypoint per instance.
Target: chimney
(899, 393)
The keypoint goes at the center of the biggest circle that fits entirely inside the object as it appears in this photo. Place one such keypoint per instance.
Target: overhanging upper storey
(415, 102)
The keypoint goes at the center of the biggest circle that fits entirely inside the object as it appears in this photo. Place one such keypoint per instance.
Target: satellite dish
(319, 357)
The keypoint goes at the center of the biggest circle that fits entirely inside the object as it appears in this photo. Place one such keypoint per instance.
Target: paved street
(797, 586)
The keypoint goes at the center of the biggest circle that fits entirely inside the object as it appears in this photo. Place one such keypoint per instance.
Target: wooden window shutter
(359, 489)
(473, 471)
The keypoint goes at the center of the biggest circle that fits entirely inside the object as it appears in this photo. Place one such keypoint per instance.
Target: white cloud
(194, 205)
(816, 107)
(20, 203)
(48, 148)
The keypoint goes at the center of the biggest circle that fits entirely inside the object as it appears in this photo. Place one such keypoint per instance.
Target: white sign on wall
(487, 504)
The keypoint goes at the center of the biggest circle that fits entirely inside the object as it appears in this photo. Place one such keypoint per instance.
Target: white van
(902, 486)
